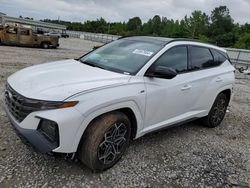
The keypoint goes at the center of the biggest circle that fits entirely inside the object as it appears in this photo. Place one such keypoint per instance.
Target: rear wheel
(217, 112)
(105, 141)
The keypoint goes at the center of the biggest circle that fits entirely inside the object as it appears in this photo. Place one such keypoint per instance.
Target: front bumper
(33, 136)
(54, 46)
(68, 120)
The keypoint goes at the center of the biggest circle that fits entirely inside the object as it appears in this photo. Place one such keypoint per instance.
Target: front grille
(19, 106)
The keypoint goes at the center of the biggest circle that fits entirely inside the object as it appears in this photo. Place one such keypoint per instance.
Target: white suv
(94, 105)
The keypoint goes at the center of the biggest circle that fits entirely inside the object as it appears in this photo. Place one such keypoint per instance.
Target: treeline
(218, 28)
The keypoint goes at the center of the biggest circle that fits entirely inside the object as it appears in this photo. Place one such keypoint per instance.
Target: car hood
(59, 80)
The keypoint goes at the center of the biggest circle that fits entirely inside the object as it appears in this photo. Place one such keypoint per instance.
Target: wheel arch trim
(131, 105)
(222, 89)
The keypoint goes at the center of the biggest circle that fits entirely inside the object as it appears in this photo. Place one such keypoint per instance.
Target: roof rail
(170, 41)
(190, 40)
(126, 36)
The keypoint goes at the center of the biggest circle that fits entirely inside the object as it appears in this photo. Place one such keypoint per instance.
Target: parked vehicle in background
(54, 34)
(95, 105)
(57, 34)
(39, 31)
(64, 35)
(24, 36)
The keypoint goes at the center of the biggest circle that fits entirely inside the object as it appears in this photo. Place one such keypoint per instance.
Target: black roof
(161, 40)
(156, 40)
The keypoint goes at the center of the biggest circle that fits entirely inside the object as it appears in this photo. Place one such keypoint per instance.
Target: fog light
(50, 130)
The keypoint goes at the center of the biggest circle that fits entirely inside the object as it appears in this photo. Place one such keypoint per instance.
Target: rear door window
(201, 58)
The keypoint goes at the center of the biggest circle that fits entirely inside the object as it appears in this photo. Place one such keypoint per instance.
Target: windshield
(124, 56)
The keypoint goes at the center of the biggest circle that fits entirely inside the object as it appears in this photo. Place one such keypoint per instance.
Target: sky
(120, 10)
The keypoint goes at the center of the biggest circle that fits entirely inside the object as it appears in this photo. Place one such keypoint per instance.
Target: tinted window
(201, 58)
(218, 57)
(24, 32)
(175, 58)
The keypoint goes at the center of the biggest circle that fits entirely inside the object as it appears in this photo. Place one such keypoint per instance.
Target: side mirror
(161, 72)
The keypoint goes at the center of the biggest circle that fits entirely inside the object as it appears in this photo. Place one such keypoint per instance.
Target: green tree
(134, 25)
(226, 39)
(171, 28)
(197, 24)
(243, 42)
(244, 28)
(147, 28)
(222, 27)
(218, 28)
(118, 28)
(156, 25)
(221, 21)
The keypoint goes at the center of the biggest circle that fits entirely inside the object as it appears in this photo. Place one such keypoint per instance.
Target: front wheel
(217, 112)
(45, 45)
(105, 141)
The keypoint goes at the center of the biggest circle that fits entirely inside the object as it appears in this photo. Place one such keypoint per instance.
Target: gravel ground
(186, 156)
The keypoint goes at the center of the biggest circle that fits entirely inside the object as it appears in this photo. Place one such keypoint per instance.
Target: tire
(217, 112)
(45, 45)
(102, 137)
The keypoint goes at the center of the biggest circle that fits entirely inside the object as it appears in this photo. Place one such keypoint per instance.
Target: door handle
(218, 79)
(186, 87)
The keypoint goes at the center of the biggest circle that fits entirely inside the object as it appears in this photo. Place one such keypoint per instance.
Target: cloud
(122, 10)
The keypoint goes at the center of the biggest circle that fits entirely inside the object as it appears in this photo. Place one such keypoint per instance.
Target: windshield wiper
(92, 64)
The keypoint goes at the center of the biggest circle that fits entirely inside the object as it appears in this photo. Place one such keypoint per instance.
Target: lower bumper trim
(34, 137)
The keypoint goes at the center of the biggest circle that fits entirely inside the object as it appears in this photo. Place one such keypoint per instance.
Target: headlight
(46, 105)
(68, 104)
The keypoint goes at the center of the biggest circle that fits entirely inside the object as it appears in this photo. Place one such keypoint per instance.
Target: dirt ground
(187, 156)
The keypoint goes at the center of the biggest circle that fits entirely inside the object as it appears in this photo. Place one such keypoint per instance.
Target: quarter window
(201, 58)
(175, 58)
(218, 57)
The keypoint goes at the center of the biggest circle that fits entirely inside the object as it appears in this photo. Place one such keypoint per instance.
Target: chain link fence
(96, 37)
(240, 58)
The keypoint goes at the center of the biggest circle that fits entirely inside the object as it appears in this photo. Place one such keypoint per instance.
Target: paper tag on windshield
(142, 52)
